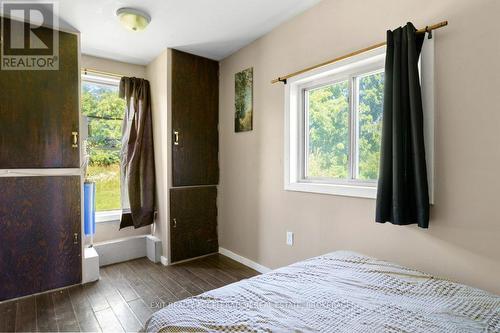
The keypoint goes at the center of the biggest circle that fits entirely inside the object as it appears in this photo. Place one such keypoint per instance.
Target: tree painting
(243, 116)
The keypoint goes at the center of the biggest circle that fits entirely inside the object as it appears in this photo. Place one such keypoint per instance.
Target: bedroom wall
(106, 231)
(463, 241)
(157, 73)
(112, 66)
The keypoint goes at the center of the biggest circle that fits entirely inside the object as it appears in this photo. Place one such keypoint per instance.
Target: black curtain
(137, 155)
(402, 194)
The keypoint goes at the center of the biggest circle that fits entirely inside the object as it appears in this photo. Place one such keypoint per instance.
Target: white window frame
(106, 215)
(350, 75)
(295, 122)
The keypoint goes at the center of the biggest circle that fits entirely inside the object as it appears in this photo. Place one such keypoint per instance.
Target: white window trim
(293, 141)
(107, 216)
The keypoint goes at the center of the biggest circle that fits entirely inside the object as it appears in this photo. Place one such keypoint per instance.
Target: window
(104, 111)
(343, 122)
(333, 127)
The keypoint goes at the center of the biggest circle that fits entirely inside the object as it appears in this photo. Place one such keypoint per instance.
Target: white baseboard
(120, 250)
(245, 261)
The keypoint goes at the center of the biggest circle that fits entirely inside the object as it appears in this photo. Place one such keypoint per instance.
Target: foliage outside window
(342, 136)
(104, 111)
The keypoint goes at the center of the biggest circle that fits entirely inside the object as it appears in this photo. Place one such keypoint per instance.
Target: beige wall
(107, 231)
(113, 66)
(463, 241)
(111, 230)
(157, 73)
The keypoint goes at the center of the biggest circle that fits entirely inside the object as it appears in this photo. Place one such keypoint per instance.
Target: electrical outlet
(289, 238)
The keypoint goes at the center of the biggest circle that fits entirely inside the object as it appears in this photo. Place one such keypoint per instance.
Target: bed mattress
(337, 292)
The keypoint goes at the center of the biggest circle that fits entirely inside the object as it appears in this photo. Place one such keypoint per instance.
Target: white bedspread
(337, 292)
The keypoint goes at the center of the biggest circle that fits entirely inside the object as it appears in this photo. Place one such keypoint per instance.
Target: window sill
(108, 216)
(358, 191)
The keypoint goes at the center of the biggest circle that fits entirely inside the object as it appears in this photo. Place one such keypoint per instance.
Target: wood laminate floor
(123, 299)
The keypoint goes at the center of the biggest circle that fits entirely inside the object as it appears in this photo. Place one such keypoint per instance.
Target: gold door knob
(75, 139)
(176, 138)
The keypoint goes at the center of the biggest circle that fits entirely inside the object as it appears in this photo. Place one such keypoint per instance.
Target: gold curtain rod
(95, 71)
(366, 49)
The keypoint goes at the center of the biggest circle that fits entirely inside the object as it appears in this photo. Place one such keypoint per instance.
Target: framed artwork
(243, 103)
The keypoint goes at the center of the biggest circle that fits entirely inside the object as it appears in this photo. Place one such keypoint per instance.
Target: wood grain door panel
(193, 222)
(39, 112)
(195, 116)
(39, 217)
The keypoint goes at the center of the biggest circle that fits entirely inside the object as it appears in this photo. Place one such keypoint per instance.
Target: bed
(337, 292)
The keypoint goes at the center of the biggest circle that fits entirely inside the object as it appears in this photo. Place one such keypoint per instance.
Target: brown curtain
(137, 155)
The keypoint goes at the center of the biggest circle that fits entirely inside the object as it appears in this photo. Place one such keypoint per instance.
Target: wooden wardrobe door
(40, 230)
(193, 222)
(39, 112)
(195, 117)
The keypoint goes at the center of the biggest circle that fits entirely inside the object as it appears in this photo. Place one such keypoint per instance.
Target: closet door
(193, 222)
(40, 229)
(195, 116)
(39, 112)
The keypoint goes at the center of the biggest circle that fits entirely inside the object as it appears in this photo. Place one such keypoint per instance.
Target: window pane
(370, 105)
(328, 132)
(105, 109)
(107, 179)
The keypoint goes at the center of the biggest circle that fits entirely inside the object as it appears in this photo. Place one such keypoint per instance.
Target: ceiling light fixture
(133, 19)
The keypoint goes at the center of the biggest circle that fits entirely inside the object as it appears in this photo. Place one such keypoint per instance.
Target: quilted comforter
(337, 292)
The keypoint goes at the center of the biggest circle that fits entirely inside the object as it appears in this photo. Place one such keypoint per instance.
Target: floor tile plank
(162, 277)
(8, 316)
(45, 313)
(65, 314)
(120, 308)
(108, 321)
(143, 270)
(123, 299)
(141, 310)
(26, 315)
(97, 301)
(83, 310)
(119, 282)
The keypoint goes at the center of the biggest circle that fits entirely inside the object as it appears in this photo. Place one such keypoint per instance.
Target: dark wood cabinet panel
(39, 112)
(195, 117)
(193, 222)
(39, 217)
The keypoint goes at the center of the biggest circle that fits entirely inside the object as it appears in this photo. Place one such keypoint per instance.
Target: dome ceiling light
(133, 19)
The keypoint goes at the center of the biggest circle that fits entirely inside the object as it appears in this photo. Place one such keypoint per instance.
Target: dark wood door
(195, 117)
(40, 229)
(39, 112)
(193, 222)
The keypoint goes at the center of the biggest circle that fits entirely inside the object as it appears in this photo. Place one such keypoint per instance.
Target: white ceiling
(210, 28)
